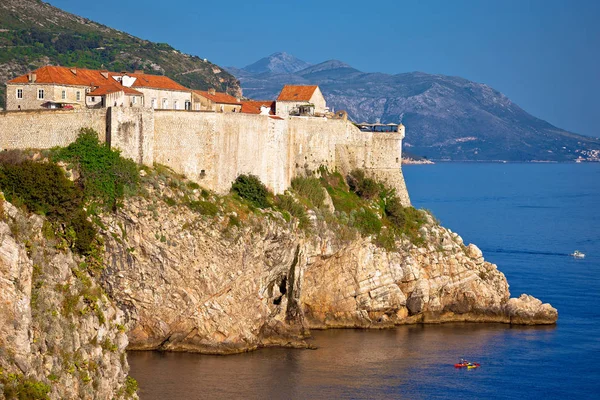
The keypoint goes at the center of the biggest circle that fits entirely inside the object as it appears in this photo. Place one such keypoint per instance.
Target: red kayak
(468, 365)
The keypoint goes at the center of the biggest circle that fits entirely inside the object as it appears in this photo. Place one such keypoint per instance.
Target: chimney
(104, 74)
(212, 91)
(32, 77)
(74, 71)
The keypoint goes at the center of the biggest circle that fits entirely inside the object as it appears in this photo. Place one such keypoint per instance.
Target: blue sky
(543, 54)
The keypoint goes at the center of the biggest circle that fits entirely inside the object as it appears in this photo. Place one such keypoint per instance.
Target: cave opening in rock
(282, 290)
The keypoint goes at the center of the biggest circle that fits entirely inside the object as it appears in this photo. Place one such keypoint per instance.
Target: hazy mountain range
(446, 118)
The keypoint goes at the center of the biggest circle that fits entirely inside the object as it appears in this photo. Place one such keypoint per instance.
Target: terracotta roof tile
(156, 82)
(296, 93)
(253, 106)
(65, 76)
(218, 97)
(89, 77)
(113, 88)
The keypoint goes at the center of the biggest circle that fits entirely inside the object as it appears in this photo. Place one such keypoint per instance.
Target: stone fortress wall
(214, 148)
(43, 129)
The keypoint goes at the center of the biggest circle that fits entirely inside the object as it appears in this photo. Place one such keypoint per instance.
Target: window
(63, 95)
(40, 94)
(19, 93)
(153, 103)
(175, 105)
(93, 99)
(165, 104)
(78, 95)
(134, 99)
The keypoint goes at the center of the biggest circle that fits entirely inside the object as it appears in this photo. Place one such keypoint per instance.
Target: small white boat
(578, 254)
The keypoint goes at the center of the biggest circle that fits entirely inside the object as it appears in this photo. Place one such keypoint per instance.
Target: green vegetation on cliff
(360, 204)
(16, 386)
(104, 177)
(34, 34)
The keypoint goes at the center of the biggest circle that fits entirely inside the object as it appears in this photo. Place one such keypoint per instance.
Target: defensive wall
(44, 129)
(214, 148)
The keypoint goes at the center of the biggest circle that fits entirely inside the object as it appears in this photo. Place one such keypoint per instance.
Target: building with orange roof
(212, 100)
(112, 95)
(301, 100)
(260, 107)
(60, 87)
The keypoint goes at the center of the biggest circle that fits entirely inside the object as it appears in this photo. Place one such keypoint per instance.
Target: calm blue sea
(526, 218)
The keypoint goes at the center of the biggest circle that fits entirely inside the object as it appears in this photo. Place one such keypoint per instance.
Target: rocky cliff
(184, 269)
(61, 337)
(231, 279)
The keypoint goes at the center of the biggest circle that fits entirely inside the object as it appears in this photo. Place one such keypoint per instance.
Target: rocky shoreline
(220, 279)
(214, 289)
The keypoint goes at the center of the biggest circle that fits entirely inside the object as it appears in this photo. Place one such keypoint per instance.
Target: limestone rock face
(192, 283)
(441, 280)
(530, 311)
(189, 282)
(57, 328)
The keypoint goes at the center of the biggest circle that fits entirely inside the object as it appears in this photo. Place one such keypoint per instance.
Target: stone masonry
(214, 148)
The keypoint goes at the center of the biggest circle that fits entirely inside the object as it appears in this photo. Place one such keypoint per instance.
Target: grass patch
(288, 205)
(366, 221)
(310, 189)
(204, 207)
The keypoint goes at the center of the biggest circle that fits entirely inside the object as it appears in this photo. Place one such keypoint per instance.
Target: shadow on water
(394, 363)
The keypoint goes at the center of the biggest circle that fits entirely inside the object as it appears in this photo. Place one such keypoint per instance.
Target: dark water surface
(526, 218)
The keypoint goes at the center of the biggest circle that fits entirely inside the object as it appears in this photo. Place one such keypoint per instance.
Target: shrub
(366, 188)
(309, 188)
(395, 212)
(16, 386)
(85, 233)
(131, 386)
(105, 175)
(250, 188)
(41, 187)
(406, 220)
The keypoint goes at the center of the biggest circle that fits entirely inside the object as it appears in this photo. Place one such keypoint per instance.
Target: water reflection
(406, 362)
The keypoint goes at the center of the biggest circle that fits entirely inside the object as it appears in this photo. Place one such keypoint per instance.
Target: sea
(526, 218)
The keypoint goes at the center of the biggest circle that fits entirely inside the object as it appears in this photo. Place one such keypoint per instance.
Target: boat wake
(509, 251)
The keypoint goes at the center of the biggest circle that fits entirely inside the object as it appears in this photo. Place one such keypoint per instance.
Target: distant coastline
(412, 159)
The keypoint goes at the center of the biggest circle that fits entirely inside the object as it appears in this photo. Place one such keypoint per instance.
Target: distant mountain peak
(326, 66)
(277, 63)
